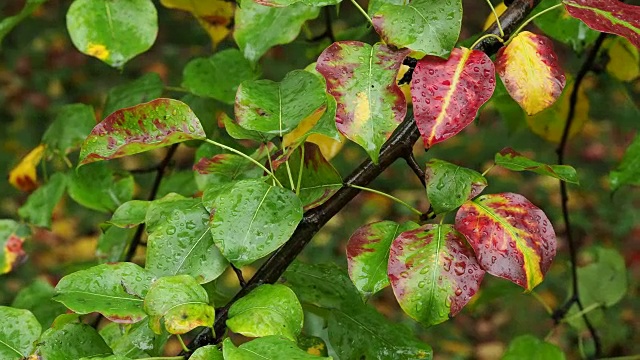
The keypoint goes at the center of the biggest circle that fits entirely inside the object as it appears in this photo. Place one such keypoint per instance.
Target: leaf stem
(176, 89)
(515, 33)
(489, 169)
(246, 157)
(300, 170)
(355, 3)
(286, 163)
(580, 313)
(541, 301)
(414, 210)
(486, 36)
(184, 347)
(493, 10)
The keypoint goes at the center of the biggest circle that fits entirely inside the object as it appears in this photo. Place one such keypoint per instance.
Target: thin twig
(560, 151)
(238, 272)
(413, 164)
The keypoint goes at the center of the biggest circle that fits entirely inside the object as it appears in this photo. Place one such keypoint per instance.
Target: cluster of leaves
(250, 205)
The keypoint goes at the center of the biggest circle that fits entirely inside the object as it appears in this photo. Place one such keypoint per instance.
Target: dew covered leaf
(71, 340)
(513, 160)
(98, 187)
(610, 16)
(39, 207)
(215, 16)
(449, 185)
(130, 214)
(267, 310)
(362, 79)
(258, 28)
(433, 273)
(530, 71)
(179, 240)
(368, 254)
(266, 348)
(447, 94)
(133, 340)
(113, 32)
(181, 301)
(12, 236)
(114, 290)
(144, 89)
(140, 128)
(277, 108)
(511, 237)
(70, 127)
(19, 330)
(431, 27)
(251, 219)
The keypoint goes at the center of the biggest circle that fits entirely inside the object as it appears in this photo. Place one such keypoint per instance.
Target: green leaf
(513, 160)
(375, 5)
(19, 330)
(146, 88)
(560, 26)
(428, 26)
(277, 108)
(318, 180)
(70, 340)
(209, 352)
(368, 254)
(114, 290)
(130, 214)
(449, 185)
(133, 340)
(40, 204)
(99, 187)
(144, 127)
(179, 240)
(604, 280)
(218, 76)
(282, 3)
(222, 169)
(37, 298)
(7, 24)
(12, 235)
(267, 310)
(238, 132)
(69, 129)
(259, 28)
(362, 79)
(112, 32)
(528, 347)
(266, 348)
(182, 303)
(323, 285)
(628, 171)
(252, 219)
(113, 243)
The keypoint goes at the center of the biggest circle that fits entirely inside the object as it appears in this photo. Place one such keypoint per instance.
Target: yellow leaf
(624, 59)
(213, 15)
(500, 9)
(23, 176)
(328, 146)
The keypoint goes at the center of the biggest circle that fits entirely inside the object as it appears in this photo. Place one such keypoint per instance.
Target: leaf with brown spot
(12, 235)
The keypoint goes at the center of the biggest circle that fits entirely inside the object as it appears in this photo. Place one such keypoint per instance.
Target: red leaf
(608, 16)
(447, 94)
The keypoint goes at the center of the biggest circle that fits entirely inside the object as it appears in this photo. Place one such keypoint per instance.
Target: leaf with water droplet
(423, 255)
(19, 330)
(511, 237)
(447, 94)
(513, 160)
(130, 214)
(449, 185)
(267, 348)
(99, 187)
(140, 128)
(69, 339)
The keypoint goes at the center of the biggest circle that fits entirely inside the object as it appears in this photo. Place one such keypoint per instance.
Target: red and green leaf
(12, 235)
(512, 238)
(368, 254)
(447, 94)
(433, 273)
(513, 160)
(362, 79)
(449, 185)
(140, 128)
(530, 71)
(610, 16)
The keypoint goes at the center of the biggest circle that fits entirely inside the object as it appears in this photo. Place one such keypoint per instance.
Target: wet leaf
(40, 204)
(431, 27)
(610, 16)
(513, 160)
(140, 128)
(226, 168)
(37, 298)
(266, 348)
(146, 88)
(130, 214)
(24, 176)
(113, 243)
(277, 108)
(209, 352)
(323, 285)
(69, 129)
(449, 185)
(215, 16)
(7, 24)
(99, 187)
(433, 273)
(71, 340)
(361, 78)
(114, 290)
(182, 303)
(258, 28)
(19, 330)
(624, 59)
(317, 181)
(530, 71)
(238, 132)
(252, 219)
(368, 254)
(560, 26)
(210, 77)
(267, 310)
(528, 347)
(12, 235)
(129, 340)
(179, 240)
(447, 94)
(113, 32)
(510, 236)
